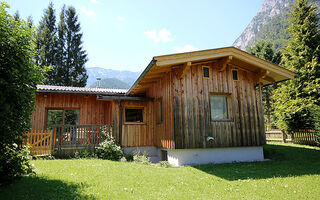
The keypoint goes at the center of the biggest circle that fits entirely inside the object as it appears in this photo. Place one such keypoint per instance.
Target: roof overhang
(268, 72)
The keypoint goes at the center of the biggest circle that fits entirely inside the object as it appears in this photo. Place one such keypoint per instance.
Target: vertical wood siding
(192, 113)
(134, 134)
(92, 111)
(164, 131)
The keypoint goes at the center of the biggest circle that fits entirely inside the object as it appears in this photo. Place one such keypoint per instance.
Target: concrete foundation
(181, 157)
(152, 152)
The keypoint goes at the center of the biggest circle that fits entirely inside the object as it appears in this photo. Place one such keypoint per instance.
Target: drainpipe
(120, 122)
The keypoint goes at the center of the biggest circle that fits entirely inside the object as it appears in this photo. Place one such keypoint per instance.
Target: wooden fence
(308, 137)
(40, 142)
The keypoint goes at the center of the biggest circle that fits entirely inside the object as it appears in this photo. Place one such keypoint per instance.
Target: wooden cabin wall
(134, 134)
(192, 114)
(92, 111)
(163, 132)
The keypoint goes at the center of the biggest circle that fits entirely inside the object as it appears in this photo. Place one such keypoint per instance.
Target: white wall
(180, 157)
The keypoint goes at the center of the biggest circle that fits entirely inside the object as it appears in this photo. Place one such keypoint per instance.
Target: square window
(62, 117)
(219, 107)
(134, 115)
(206, 72)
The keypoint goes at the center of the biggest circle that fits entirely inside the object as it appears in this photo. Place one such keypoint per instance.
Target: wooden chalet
(189, 108)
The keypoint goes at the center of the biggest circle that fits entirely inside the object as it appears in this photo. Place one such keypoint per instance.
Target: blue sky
(125, 35)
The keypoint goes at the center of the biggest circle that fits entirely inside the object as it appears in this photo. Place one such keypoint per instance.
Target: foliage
(292, 173)
(298, 100)
(61, 48)
(108, 149)
(165, 164)
(46, 43)
(110, 83)
(14, 162)
(143, 159)
(19, 77)
(265, 50)
(83, 154)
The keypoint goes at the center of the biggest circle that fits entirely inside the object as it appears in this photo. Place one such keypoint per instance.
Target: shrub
(141, 158)
(83, 154)
(108, 149)
(15, 162)
(165, 164)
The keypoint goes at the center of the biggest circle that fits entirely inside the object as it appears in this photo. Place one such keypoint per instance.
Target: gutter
(152, 62)
(128, 98)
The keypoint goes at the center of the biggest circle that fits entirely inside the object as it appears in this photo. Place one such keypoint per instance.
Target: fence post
(284, 137)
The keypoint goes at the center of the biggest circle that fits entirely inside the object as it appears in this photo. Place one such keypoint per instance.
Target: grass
(293, 173)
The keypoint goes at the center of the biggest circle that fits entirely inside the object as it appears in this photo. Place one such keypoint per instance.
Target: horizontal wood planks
(92, 111)
(163, 131)
(192, 112)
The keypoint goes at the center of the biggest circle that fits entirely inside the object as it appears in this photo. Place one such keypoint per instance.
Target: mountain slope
(270, 23)
(268, 10)
(112, 83)
(97, 72)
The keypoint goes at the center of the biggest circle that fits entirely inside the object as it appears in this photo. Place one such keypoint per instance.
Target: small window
(159, 116)
(219, 107)
(235, 75)
(205, 72)
(134, 115)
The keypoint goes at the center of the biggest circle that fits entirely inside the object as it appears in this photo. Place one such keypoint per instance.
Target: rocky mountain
(270, 23)
(110, 83)
(127, 77)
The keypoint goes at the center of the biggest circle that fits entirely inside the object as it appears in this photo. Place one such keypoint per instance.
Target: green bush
(15, 162)
(108, 149)
(83, 154)
(165, 164)
(141, 158)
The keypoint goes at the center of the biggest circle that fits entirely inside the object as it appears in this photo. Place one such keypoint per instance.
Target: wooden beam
(184, 70)
(223, 63)
(269, 79)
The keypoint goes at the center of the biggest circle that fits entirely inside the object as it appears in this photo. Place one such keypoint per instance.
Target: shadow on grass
(285, 161)
(33, 187)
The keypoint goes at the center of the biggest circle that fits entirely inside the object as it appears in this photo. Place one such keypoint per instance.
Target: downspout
(120, 122)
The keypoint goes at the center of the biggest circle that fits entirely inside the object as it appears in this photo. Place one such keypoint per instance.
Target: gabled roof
(79, 90)
(160, 65)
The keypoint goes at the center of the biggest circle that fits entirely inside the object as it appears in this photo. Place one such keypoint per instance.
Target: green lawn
(293, 173)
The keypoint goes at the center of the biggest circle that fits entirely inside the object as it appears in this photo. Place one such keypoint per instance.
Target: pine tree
(76, 57)
(265, 50)
(297, 101)
(61, 51)
(46, 42)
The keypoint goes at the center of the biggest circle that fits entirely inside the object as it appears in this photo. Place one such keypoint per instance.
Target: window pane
(206, 72)
(219, 107)
(235, 75)
(134, 115)
(71, 117)
(54, 118)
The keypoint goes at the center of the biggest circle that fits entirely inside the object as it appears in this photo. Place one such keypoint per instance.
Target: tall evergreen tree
(61, 50)
(46, 42)
(75, 73)
(265, 50)
(297, 101)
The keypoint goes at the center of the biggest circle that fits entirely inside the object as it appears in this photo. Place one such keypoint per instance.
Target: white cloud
(87, 12)
(186, 48)
(120, 19)
(159, 36)
(94, 1)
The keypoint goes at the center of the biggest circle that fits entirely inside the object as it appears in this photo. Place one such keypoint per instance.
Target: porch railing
(75, 135)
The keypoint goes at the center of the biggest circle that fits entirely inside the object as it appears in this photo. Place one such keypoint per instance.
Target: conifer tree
(46, 42)
(297, 101)
(75, 73)
(265, 50)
